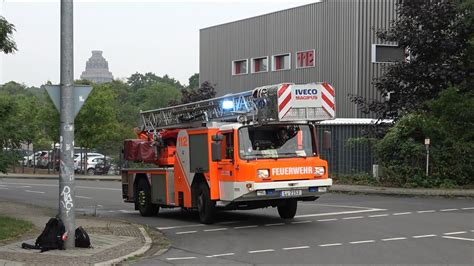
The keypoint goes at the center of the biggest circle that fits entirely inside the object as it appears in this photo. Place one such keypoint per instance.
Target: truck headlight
(319, 170)
(263, 173)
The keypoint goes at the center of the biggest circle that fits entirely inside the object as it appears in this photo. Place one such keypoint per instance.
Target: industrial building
(332, 41)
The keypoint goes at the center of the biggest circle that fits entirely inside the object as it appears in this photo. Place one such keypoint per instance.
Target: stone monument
(97, 69)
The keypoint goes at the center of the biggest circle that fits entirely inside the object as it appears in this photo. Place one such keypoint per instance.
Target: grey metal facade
(340, 31)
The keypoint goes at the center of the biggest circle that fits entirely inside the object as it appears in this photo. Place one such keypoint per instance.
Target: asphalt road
(336, 229)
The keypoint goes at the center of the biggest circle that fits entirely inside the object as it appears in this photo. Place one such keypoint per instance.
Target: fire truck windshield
(275, 141)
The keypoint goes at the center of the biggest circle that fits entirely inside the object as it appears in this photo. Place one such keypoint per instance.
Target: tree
(96, 123)
(435, 35)
(205, 91)
(137, 81)
(194, 81)
(9, 137)
(7, 44)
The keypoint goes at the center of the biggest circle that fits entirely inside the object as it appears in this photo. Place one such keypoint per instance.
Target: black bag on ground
(52, 236)
(82, 238)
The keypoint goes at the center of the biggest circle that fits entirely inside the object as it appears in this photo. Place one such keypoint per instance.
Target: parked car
(90, 155)
(92, 162)
(34, 159)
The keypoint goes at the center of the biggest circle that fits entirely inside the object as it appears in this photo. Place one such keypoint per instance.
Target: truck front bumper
(258, 191)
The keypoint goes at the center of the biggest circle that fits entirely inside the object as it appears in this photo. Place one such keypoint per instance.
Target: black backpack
(52, 237)
(82, 238)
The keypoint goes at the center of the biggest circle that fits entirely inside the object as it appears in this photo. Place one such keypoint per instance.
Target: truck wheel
(143, 199)
(206, 206)
(90, 171)
(287, 209)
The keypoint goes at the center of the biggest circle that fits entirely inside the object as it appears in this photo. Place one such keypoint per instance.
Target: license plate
(291, 193)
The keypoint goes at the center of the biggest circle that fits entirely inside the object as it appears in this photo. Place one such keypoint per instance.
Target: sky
(147, 36)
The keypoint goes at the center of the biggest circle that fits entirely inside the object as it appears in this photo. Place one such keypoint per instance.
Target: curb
(385, 191)
(138, 252)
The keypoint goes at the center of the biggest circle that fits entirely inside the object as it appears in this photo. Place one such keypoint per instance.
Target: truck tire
(206, 207)
(143, 199)
(287, 209)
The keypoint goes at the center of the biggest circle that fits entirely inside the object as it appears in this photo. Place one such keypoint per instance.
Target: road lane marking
(292, 248)
(426, 211)
(32, 191)
(362, 242)
(186, 232)
(229, 222)
(181, 258)
(215, 229)
(394, 238)
(459, 238)
(245, 226)
(127, 211)
(448, 210)
(343, 206)
(301, 222)
(468, 208)
(353, 217)
(330, 245)
(402, 213)
(179, 226)
(327, 220)
(261, 251)
(378, 215)
(423, 236)
(338, 213)
(455, 233)
(220, 255)
(83, 197)
(275, 224)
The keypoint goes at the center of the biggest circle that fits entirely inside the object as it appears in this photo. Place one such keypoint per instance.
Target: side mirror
(217, 137)
(216, 151)
(327, 140)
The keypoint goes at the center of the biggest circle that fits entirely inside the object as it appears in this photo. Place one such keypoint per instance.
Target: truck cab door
(225, 167)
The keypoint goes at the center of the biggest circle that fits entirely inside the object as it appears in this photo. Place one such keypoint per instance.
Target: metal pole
(66, 172)
(427, 159)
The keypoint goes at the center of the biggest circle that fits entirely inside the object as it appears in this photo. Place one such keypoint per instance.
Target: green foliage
(205, 91)
(438, 36)
(11, 227)
(449, 125)
(355, 179)
(193, 81)
(96, 123)
(108, 117)
(7, 44)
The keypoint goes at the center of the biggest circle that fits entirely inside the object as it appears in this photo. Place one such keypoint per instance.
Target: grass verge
(11, 228)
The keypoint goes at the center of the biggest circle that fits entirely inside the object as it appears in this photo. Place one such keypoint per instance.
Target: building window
(305, 59)
(239, 67)
(281, 62)
(260, 64)
(387, 53)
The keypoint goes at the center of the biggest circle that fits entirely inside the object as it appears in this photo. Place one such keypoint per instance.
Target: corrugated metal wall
(328, 27)
(345, 157)
(340, 31)
(372, 16)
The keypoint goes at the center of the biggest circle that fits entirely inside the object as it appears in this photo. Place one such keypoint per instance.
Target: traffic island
(112, 241)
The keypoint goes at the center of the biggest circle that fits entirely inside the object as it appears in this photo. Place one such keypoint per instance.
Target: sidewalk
(423, 192)
(112, 241)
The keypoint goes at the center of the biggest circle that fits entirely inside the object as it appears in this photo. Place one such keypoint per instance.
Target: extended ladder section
(275, 103)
